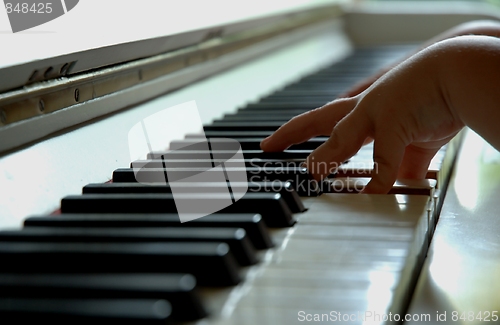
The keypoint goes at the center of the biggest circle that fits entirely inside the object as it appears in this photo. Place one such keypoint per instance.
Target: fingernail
(266, 140)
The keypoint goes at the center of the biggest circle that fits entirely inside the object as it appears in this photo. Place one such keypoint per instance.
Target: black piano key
(246, 143)
(154, 175)
(319, 100)
(318, 86)
(330, 79)
(248, 154)
(211, 263)
(301, 181)
(243, 126)
(177, 289)
(236, 135)
(236, 238)
(331, 92)
(334, 79)
(282, 118)
(271, 206)
(284, 106)
(201, 163)
(264, 112)
(230, 134)
(356, 69)
(285, 189)
(82, 311)
(252, 223)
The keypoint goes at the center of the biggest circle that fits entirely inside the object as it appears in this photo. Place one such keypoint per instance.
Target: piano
(81, 240)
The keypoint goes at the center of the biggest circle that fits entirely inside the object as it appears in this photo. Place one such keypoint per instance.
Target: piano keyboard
(301, 252)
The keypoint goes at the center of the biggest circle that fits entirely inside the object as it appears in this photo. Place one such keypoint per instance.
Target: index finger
(314, 123)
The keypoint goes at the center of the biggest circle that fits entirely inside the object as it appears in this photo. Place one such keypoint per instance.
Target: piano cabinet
(428, 251)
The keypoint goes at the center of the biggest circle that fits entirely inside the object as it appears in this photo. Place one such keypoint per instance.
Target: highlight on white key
(149, 150)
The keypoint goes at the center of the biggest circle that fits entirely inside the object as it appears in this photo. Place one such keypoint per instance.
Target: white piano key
(354, 232)
(308, 246)
(366, 266)
(300, 298)
(339, 258)
(325, 277)
(329, 264)
(369, 210)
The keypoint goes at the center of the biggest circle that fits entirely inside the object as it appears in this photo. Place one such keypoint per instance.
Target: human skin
(478, 27)
(409, 112)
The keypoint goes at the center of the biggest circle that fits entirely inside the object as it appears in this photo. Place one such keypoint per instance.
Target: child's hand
(410, 112)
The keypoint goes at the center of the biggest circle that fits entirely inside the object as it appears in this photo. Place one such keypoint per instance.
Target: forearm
(480, 27)
(469, 78)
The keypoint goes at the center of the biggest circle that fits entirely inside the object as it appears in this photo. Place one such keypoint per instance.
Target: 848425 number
(37, 8)
(482, 316)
